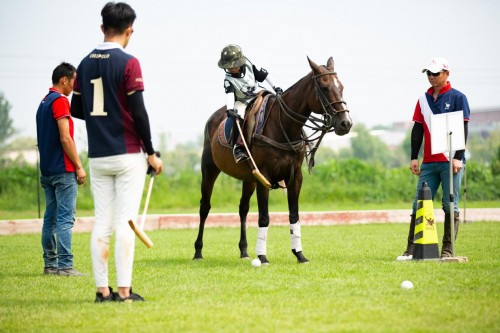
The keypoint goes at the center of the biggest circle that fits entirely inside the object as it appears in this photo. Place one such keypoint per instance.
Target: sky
(379, 49)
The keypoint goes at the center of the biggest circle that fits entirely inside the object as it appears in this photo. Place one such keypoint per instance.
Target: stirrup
(239, 154)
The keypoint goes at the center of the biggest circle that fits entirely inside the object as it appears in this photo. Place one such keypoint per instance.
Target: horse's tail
(206, 134)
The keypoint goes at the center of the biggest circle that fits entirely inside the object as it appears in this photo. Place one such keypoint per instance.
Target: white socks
(295, 236)
(261, 241)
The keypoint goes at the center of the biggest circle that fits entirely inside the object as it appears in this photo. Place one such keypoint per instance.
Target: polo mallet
(260, 177)
(465, 194)
(139, 230)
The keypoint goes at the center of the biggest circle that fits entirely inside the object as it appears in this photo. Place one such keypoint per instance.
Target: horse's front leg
(263, 203)
(246, 193)
(293, 191)
(209, 175)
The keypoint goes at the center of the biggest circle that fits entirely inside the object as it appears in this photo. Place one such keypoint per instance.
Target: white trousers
(240, 108)
(117, 187)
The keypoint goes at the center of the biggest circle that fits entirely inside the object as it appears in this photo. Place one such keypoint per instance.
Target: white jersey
(247, 86)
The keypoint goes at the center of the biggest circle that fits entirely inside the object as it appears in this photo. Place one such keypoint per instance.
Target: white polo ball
(406, 284)
(256, 262)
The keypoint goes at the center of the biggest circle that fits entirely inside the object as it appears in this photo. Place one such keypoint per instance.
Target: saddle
(254, 117)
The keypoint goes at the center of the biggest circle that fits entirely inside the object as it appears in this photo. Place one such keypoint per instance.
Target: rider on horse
(242, 85)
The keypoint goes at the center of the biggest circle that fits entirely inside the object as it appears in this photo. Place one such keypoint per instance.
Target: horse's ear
(329, 64)
(313, 65)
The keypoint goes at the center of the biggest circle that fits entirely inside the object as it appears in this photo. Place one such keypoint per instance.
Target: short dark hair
(63, 70)
(117, 16)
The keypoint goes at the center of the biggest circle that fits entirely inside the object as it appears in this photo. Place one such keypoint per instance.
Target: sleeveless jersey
(53, 159)
(246, 87)
(104, 79)
(448, 100)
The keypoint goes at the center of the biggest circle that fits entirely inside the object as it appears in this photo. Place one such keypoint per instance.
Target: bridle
(318, 125)
(326, 105)
(329, 112)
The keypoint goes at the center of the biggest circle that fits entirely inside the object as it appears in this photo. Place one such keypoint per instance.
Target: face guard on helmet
(231, 57)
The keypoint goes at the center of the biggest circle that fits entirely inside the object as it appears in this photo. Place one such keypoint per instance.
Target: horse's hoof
(263, 259)
(300, 257)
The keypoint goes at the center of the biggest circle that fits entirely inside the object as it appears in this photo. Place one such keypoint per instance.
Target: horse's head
(327, 99)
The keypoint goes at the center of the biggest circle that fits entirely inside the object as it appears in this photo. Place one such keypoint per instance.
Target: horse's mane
(300, 81)
(307, 76)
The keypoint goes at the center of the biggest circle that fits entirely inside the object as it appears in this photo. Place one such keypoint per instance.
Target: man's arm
(141, 121)
(260, 74)
(457, 162)
(459, 154)
(417, 136)
(76, 106)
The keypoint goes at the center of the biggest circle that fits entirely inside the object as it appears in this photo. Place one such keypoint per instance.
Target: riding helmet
(231, 57)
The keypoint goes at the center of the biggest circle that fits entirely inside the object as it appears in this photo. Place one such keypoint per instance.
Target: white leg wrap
(295, 237)
(261, 241)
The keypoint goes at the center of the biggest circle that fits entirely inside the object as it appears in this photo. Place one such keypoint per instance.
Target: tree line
(367, 173)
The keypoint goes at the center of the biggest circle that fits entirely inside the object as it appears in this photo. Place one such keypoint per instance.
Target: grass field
(351, 285)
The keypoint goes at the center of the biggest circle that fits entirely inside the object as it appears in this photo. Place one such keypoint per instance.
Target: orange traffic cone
(425, 242)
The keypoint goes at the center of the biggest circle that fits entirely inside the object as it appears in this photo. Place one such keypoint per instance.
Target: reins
(323, 125)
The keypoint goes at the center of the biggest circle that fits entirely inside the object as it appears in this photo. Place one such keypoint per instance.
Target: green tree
(406, 147)
(186, 156)
(6, 123)
(483, 146)
(495, 164)
(6, 128)
(22, 142)
(367, 147)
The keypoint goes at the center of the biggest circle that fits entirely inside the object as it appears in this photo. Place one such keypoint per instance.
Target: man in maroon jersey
(108, 96)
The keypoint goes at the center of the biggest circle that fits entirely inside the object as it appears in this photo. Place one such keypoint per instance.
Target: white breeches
(240, 107)
(117, 187)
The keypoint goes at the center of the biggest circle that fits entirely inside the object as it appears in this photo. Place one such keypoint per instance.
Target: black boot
(457, 223)
(408, 254)
(446, 250)
(239, 152)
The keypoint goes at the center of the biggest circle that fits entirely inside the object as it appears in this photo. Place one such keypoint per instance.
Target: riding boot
(234, 132)
(408, 254)
(457, 223)
(446, 250)
(411, 235)
(239, 152)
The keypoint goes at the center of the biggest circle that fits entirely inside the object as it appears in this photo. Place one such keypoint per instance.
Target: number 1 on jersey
(98, 107)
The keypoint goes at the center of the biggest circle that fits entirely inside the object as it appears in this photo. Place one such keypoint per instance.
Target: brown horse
(278, 150)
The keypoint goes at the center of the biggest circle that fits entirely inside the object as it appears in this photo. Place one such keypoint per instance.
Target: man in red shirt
(61, 171)
(434, 170)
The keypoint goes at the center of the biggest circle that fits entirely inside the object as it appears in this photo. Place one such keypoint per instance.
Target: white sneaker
(404, 258)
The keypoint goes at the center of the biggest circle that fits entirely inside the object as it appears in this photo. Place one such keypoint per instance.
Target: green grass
(351, 285)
